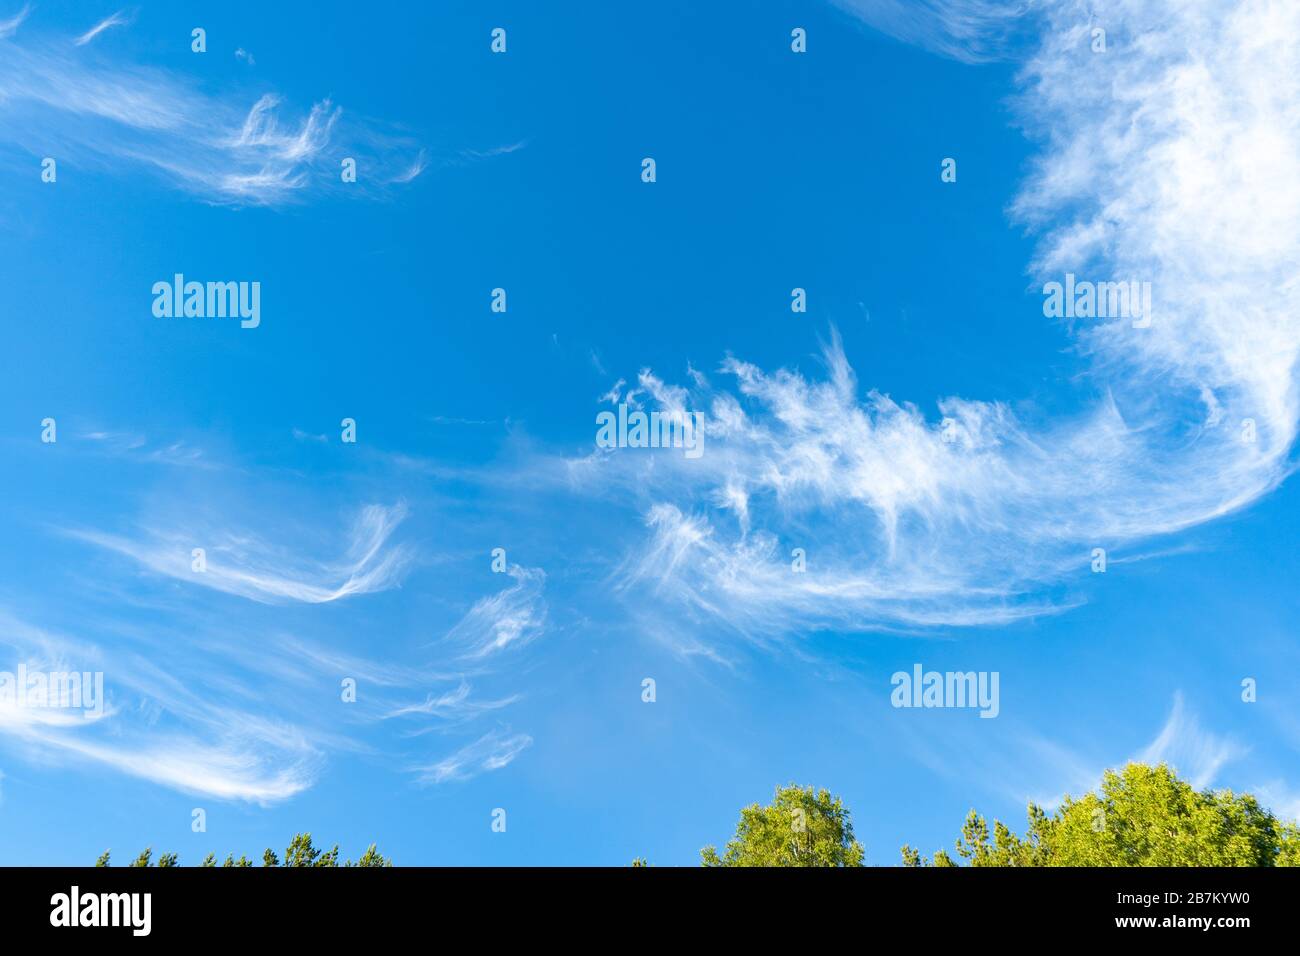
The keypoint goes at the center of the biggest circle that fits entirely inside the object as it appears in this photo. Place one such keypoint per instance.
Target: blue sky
(475, 429)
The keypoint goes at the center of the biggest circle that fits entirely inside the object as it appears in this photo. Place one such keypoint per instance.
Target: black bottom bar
(211, 905)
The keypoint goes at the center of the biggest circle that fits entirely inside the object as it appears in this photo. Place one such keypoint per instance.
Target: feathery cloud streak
(245, 565)
(116, 20)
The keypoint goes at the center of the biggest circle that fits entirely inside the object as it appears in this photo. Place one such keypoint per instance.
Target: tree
(300, 852)
(799, 828)
(1288, 853)
(1141, 816)
(371, 857)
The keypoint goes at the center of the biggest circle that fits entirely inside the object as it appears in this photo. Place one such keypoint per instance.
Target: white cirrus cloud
(1184, 745)
(509, 619)
(9, 26)
(160, 722)
(231, 768)
(452, 705)
(1198, 756)
(90, 108)
(492, 751)
(973, 31)
(1281, 798)
(116, 20)
(244, 564)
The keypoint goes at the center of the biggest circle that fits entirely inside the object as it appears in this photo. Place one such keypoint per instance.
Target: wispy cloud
(157, 726)
(90, 108)
(508, 619)
(10, 26)
(972, 31)
(1281, 798)
(181, 714)
(453, 705)
(228, 769)
(241, 563)
(1195, 753)
(495, 628)
(492, 751)
(137, 447)
(451, 420)
(116, 20)
(285, 650)
(494, 151)
(412, 171)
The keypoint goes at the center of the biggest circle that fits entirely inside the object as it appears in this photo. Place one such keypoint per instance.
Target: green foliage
(371, 857)
(912, 857)
(1141, 816)
(799, 828)
(1288, 851)
(301, 852)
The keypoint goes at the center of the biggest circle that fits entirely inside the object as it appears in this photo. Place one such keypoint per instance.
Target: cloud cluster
(59, 98)
(1166, 159)
(234, 710)
(491, 633)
